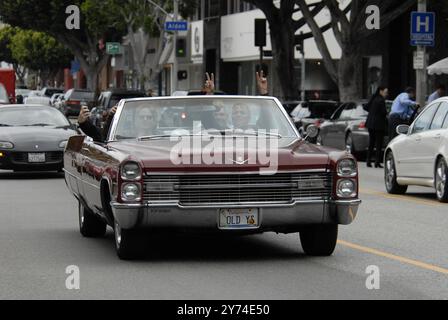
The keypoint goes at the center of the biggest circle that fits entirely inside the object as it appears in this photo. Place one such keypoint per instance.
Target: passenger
(91, 130)
(241, 116)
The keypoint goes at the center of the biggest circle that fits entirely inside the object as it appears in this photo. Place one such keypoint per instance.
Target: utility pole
(175, 66)
(421, 74)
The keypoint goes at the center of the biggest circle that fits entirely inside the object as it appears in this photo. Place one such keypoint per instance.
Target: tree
(6, 35)
(349, 32)
(145, 21)
(98, 22)
(39, 52)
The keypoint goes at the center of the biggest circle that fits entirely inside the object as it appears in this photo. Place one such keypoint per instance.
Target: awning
(439, 68)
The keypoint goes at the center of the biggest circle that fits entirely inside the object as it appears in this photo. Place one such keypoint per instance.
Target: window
(359, 113)
(348, 111)
(440, 117)
(423, 122)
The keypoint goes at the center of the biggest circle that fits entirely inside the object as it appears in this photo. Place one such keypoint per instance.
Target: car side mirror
(403, 129)
(312, 132)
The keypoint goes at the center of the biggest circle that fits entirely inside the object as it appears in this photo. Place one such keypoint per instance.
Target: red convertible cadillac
(209, 164)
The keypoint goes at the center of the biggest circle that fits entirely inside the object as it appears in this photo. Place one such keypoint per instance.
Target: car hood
(167, 155)
(27, 138)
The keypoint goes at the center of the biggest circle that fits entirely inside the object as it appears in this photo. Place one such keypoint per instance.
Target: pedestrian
(440, 92)
(403, 109)
(377, 124)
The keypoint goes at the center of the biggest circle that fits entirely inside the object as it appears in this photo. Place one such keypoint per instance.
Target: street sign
(176, 26)
(423, 29)
(419, 60)
(113, 48)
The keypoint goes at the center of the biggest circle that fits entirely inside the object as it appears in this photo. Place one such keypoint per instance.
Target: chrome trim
(241, 186)
(169, 173)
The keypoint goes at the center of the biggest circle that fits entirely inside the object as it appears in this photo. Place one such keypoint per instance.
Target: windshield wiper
(252, 134)
(39, 125)
(4, 125)
(163, 136)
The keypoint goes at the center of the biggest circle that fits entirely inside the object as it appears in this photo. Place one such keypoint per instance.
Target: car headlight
(63, 144)
(6, 145)
(131, 171)
(347, 168)
(346, 189)
(131, 192)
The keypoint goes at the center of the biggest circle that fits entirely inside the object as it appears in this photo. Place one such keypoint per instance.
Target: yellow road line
(412, 262)
(399, 197)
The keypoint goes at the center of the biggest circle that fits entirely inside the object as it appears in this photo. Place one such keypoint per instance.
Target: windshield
(183, 117)
(316, 110)
(32, 116)
(81, 95)
(3, 95)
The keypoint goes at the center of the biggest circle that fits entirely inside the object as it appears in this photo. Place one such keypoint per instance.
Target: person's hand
(262, 83)
(84, 115)
(209, 86)
(113, 110)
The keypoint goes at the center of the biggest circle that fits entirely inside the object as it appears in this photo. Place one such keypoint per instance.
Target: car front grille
(50, 157)
(237, 189)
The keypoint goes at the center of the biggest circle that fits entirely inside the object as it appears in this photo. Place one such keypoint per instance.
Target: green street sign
(113, 48)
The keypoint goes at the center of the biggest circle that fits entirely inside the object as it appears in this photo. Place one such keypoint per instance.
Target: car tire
(90, 226)
(441, 180)
(390, 176)
(319, 240)
(129, 244)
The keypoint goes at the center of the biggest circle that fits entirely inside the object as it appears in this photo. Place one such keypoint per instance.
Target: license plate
(36, 157)
(238, 219)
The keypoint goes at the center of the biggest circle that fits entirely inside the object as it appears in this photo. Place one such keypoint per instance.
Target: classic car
(33, 138)
(418, 156)
(224, 164)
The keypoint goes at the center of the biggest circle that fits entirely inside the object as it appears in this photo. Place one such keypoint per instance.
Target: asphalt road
(404, 236)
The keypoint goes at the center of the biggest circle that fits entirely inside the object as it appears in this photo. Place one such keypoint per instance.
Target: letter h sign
(423, 29)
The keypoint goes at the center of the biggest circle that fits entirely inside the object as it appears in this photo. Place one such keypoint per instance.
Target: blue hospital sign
(423, 29)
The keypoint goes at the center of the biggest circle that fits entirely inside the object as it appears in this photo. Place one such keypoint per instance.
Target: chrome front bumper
(276, 217)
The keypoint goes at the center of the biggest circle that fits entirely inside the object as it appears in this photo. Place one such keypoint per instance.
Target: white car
(419, 155)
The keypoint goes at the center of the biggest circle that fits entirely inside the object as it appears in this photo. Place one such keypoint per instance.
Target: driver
(241, 116)
(146, 121)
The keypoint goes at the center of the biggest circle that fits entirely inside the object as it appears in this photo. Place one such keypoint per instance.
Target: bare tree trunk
(282, 38)
(350, 74)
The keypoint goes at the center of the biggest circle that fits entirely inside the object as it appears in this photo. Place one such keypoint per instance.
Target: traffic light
(182, 75)
(260, 32)
(181, 48)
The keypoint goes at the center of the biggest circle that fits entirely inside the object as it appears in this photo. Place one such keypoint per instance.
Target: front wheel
(90, 225)
(319, 240)
(441, 177)
(129, 244)
(390, 176)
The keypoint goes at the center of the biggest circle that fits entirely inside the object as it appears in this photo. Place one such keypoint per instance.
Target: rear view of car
(73, 100)
(313, 113)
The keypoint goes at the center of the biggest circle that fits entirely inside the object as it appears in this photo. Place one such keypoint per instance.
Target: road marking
(399, 197)
(412, 262)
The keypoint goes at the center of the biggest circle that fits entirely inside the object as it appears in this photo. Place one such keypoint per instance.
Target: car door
(331, 128)
(434, 138)
(412, 154)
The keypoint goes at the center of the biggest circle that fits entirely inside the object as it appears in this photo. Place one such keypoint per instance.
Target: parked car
(145, 178)
(291, 105)
(49, 92)
(73, 98)
(55, 98)
(108, 99)
(3, 95)
(33, 138)
(36, 98)
(313, 113)
(419, 155)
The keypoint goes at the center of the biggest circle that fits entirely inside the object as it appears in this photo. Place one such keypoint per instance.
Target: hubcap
(441, 179)
(390, 172)
(117, 231)
(81, 216)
